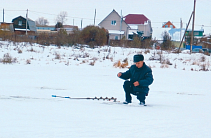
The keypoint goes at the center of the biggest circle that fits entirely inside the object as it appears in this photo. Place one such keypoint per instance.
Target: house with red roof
(136, 19)
(139, 24)
(119, 27)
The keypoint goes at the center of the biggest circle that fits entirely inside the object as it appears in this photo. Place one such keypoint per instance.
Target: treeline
(91, 35)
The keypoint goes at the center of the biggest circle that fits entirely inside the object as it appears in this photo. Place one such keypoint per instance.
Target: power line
(15, 10)
(57, 14)
(156, 22)
(43, 13)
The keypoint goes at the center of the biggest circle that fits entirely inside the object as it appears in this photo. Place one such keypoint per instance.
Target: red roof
(135, 19)
(168, 24)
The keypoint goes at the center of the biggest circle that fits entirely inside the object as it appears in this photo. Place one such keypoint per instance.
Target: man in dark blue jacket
(140, 76)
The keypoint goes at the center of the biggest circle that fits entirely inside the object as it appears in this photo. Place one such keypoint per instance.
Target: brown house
(6, 26)
(168, 25)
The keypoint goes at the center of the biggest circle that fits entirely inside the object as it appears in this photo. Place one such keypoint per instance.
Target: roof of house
(168, 23)
(135, 19)
(6, 26)
(114, 11)
(109, 15)
(5, 23)
(22, 17)
(69, 26)
(45, 26)
(19, 29)
(31, 23)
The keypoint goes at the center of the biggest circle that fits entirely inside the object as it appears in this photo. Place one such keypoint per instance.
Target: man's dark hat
(137, 58)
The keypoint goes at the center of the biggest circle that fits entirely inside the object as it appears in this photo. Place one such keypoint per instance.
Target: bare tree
(62, 17)
(167, 44)
(41, 21)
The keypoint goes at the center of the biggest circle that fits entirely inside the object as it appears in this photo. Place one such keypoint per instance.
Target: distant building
(139, 24)
(168, 25)
(68, 28)
(205, 41)
(135, 19)
(46, 29)
(20, 27)
(116, 26)
(198, 34)
(51, 29)
(119, 27)
(175, 33)
(6, 26)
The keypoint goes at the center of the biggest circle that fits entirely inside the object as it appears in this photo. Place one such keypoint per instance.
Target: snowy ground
(178, 104)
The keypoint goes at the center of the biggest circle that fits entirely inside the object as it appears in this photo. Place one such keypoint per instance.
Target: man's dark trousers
(128, 87)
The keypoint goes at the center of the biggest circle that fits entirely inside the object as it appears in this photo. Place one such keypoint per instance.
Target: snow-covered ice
(179, 104)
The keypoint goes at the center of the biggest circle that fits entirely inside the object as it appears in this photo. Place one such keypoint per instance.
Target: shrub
(6, 59)
(20, 51)
(93, 35)
(167, 44)
(61, 38)
(31, 50)
(92, 63)
(124, 65)
(28, 61)
(57, 56)
(203, 59)
(121, 65)
(164, 66)
(146, 51)
(204, 67)
(136, 42)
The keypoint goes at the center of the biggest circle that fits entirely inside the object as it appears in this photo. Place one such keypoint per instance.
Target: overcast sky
(158, 11)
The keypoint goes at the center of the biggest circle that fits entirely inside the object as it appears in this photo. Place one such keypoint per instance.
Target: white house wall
(145, 28)
(106, 23)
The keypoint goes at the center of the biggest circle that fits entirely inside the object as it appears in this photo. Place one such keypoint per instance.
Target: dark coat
(143, 75)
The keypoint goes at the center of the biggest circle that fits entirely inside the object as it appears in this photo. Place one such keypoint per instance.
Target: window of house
(171, 26)
(130, 36)
(166, 26)
(116, 37)
(196, 33)
(113, 22)
(20, 23)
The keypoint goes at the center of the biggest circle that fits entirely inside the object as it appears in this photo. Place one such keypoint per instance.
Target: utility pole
(73, 22)
(192, 33)
(94, 17)
(81, 23)
(121, 26)
(185, 32)
(181, 29)
(3, 15)
(26, 20)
